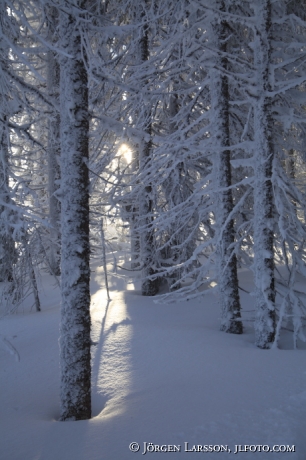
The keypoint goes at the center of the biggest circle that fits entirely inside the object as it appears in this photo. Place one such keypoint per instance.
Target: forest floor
(161, 374)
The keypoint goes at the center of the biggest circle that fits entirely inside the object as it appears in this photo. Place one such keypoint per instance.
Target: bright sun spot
(126, 152)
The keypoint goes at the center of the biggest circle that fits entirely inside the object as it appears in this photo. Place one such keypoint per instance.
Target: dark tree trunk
(147, 250)
(226, 258)
(75, 271)
(7, 244)
(265, 321)
(53, 148)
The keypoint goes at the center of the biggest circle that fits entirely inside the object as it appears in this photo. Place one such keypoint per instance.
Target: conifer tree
(75, 272)
(146, 202)
(226, 257)
(7, 102)
(53, 146)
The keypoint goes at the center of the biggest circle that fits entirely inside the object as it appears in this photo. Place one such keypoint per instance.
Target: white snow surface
(161, 374)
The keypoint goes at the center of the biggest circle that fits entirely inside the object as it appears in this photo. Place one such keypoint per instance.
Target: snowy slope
(162, 374)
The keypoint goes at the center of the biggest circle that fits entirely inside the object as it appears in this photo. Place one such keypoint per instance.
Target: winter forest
(162, 143)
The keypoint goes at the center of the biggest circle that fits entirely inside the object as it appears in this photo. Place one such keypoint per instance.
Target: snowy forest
(157, 141)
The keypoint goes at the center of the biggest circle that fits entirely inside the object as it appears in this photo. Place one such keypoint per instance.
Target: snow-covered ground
(162, 374)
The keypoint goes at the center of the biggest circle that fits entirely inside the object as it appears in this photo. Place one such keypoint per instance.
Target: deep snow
(161, 373)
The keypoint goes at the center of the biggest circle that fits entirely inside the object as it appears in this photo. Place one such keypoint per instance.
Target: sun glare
(125, 151)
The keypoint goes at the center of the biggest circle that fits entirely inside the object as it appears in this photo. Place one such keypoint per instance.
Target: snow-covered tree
(263, 194)
(220, 132)
(146, 199)
(53, 147)
(75, 272)
(7, 243)
(210, 97)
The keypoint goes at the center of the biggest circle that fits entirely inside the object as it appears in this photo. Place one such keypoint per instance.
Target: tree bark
(226, 258)
(263, 192)
(7, 244)
(53, 147)
(149, 286)
(75, 271)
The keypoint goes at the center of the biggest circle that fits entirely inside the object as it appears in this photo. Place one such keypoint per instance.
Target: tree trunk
(263, 192)
(226, 258)
(134, 219)
(75, 271)
(53, 148)
(149, 287)
(7, 244)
